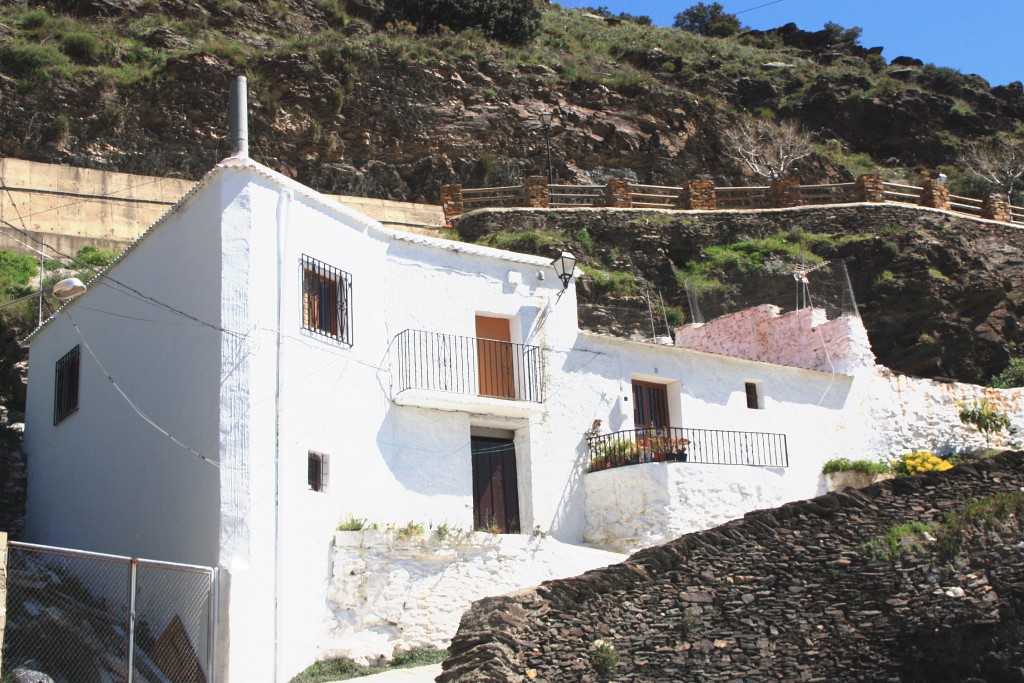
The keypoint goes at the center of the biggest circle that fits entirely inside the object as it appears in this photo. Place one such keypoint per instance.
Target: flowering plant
(605, 656)
(910, 464)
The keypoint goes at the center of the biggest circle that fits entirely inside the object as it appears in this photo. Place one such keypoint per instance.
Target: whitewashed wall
(869, 414)
(639, 506)
(388, 463)
(389, 594)
(104, 479)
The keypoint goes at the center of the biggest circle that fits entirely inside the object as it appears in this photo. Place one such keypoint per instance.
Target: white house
(265, 361)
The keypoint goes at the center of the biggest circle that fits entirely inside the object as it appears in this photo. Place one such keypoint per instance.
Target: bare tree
(998, 162)
(766, 148)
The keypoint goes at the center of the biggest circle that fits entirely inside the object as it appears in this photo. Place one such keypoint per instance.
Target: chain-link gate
(83, 617)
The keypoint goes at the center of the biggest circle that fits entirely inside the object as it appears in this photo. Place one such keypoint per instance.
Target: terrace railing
(757, 197)
(1017, 214)
(654, 196)
(468, 366)
(566, 196)
(838, 193)
(908, 194)
(535, 192)
(685, 444)
(966, 205)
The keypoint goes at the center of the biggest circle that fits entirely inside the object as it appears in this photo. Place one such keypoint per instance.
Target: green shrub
(32, 60)
(984, 417)
(95, 257)
(1011, 376)
(352, 523)
(34, 19)
(616, 282)
(511, 21)
(982, 514)
(83, 48)
(17, 269)
(863, 466)
(708, 20)
(410, 530)
(899, 540)
(530, 241)
(586, 241)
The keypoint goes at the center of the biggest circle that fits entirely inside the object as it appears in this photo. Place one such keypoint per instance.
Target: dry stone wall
(786, 594)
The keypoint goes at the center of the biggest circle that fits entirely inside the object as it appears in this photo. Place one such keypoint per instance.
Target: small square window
(755, 397)
(317, 466)
(65, 391)
(326, 300)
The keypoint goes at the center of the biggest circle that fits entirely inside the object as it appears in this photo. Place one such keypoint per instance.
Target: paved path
(413, 675)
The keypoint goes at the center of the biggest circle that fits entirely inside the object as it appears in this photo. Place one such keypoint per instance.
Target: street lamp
(545, 120)
(564, 265)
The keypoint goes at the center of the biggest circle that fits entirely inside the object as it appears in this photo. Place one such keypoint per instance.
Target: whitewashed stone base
(634, 507)
(390, 594)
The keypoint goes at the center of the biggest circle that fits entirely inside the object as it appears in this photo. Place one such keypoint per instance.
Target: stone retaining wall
(68, 207)
(785, 594)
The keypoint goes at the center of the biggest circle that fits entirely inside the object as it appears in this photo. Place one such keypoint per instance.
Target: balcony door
(495, 485)
(495, 358)
(650, 405)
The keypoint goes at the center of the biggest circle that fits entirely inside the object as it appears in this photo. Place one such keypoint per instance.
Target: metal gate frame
(132, 588)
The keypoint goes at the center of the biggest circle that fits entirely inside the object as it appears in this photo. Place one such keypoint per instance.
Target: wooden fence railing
(703, 195)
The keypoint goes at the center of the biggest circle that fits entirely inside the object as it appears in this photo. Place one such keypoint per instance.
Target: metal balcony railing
(683, 444)
(468, 366)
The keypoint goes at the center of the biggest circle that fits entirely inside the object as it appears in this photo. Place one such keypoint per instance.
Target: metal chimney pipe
(239, 118)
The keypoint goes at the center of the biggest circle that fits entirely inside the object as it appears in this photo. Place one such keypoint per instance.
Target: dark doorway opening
(495, 486)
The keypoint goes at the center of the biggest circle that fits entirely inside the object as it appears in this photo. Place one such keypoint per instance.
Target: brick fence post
(3, 593)
(616, 194)
(451, 201)
(935, 194)
(536, 193)
(785, 193)
(698, 195)
(870, 188)
(996, 207)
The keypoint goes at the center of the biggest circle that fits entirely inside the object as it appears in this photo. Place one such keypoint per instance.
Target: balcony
(483, 376)
(682, 444)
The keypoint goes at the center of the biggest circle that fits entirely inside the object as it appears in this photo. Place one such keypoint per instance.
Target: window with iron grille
(754, 395)
(65, 391)
(317, 471)
(326, 300)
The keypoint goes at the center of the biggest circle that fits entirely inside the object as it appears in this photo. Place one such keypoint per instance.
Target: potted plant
(677, 450)
(841, 473)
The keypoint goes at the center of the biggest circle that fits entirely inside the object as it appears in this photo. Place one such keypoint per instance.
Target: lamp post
(545, 120)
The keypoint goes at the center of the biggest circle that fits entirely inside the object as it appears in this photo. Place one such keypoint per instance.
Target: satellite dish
(68, 288)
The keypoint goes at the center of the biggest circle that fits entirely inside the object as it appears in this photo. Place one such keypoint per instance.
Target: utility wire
(110, 278)
(751, 9)
(79, 201)
(131, 403)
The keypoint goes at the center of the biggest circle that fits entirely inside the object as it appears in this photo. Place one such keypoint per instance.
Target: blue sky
(984, 37)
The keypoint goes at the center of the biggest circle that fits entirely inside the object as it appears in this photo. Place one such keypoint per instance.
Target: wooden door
(495, 487)
(650, 405)
(494, 357)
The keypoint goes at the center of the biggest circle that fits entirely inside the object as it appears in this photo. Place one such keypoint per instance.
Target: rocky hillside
(348, 98)
(357, 97)
(940, 295)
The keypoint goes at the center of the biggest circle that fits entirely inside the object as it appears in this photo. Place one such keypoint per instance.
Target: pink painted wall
(799, 339)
